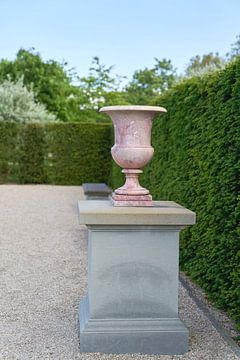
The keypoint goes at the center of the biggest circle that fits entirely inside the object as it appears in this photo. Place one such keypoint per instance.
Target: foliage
(235, 49)
(17, 103)
(100, 78)
(200, 65)
(31, 154)
(197, 164)
(8, 147)
(78, 153)
(100, 88)
(56, 153)
(147, 84)
(63, 93)
(50, 82)
(74, 98)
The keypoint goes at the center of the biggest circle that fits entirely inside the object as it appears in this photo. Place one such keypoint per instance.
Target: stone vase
(132, 150)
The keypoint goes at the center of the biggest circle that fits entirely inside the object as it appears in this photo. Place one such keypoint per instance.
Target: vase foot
(131, 200)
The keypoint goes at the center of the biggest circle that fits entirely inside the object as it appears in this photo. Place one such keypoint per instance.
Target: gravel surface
(43, 276)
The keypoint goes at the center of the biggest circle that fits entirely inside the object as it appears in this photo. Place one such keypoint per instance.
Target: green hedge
(78, 153)
(197, 163)
(8, 151)
(57, 153)
(31, 154)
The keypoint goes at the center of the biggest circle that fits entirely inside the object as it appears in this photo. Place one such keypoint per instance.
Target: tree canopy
(101, 87)
(73, 98)
(147, 84)
(50, 82)
(206, 63)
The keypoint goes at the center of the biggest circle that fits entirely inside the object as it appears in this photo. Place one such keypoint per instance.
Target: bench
(96, 191)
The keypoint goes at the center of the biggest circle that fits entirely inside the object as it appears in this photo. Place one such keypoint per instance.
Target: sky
(128, 34)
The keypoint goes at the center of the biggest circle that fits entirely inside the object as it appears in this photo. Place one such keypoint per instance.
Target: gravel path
(43, 276)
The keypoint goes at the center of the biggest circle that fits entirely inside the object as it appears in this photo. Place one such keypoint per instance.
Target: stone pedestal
(132, 300)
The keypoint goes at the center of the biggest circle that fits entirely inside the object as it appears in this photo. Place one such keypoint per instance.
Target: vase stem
(131, 186)
(132, 193)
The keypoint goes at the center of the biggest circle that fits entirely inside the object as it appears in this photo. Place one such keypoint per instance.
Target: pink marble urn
(132, 150)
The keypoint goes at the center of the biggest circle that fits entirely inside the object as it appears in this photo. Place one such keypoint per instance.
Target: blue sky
(126, 33)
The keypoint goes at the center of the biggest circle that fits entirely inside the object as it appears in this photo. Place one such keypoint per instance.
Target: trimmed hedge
(56, 153)
(31, 154)
(78, 153)
(8, 150)
(197, 163)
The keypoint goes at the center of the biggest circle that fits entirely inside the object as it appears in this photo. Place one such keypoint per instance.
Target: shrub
(17, 103)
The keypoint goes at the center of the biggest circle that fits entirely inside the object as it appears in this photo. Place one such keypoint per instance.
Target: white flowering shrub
(18, 104)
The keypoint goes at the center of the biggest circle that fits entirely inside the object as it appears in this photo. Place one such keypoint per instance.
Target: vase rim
(132, 108)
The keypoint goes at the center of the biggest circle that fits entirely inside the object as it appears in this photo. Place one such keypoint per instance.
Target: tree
(17, 104)
(100, 87)
(235, 49)
(200, 65)
(50, 82)
(147, 84)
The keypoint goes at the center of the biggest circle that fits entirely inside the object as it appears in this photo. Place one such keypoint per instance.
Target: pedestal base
(133, 200)
(166, 336)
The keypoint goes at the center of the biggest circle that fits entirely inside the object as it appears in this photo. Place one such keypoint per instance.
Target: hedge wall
(197, 163)
(31, 154)
(78, 153)
(57, 153)
(8, 150)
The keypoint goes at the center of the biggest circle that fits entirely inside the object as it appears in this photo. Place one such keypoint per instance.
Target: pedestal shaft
(133, 272)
